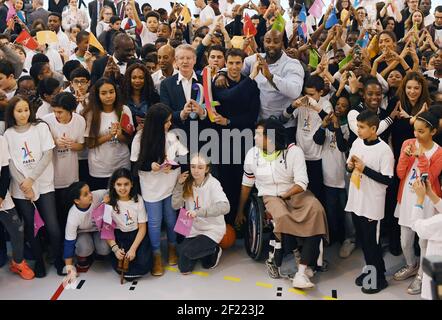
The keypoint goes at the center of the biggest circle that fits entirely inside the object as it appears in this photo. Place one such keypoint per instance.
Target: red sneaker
(22, 269)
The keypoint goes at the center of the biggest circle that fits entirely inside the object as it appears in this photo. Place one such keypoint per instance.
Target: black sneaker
(40, 269)
(216, 256)
(359, 280)
(59, 265)
(381, 285)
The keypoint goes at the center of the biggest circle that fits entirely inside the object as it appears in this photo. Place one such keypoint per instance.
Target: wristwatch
(228, 121)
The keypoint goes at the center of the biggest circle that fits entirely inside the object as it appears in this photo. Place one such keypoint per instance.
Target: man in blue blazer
(179, 92)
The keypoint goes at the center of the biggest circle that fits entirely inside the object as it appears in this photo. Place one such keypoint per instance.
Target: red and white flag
(25, 39)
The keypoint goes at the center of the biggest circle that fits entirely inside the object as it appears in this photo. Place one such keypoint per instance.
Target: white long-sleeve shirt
(274, 178)
(429, 229)
(288, 76)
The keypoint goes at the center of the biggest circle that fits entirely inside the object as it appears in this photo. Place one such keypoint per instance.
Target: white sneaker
(347, 248)
(309, 272)
(301, 281)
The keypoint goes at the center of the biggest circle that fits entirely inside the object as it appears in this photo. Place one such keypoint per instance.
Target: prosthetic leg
(273, 263)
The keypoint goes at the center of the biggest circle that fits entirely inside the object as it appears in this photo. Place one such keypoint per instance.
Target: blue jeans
(336, 200)
(155, 213)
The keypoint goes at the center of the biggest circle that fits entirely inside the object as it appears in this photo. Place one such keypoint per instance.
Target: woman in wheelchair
(279, 173)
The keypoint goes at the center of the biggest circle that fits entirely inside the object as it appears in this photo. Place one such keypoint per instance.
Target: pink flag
(11, 11)
(172, 163)
(97, 216)
(316, 9)
(183, 223)
(107, 232)
(38, 221)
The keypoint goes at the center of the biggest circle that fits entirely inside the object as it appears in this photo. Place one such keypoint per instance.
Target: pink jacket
(433, 167)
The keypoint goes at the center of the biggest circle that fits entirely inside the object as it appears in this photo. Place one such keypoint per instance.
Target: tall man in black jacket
(238, 114)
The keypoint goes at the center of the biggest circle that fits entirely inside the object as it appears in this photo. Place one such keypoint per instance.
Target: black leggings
(193, 249)
(61, 195)
(14, 226)
(310, 247)
(46, 207)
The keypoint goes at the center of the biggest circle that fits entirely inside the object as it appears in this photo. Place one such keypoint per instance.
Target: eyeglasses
(80, 82)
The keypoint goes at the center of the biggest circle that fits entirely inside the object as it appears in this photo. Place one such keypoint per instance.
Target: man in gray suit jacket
(38, 12)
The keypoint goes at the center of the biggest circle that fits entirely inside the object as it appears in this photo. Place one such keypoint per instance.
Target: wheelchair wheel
(254, 233)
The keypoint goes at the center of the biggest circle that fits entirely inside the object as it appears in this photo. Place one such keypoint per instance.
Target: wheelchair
(258, 230)
(259, 240)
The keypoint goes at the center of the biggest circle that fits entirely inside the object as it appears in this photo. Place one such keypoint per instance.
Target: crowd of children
(344, 103)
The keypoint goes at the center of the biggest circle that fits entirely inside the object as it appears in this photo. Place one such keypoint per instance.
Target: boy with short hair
(147, 31)
(333, 136)
(371, 162)
(106, 37)
(82, 41)
(80, 81)
(309, 112)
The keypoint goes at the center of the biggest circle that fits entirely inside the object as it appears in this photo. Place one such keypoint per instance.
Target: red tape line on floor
(58, 292)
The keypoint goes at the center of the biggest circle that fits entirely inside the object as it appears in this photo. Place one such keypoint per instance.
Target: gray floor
(236, 277)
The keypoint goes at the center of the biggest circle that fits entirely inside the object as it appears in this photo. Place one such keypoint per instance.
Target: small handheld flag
(46, 37)
(313, 58)
(279, 24)
(332, 19)
(126, 125)
(38, 221)
(316, 9)
(26, 40)
(95, 43)
(249, 28)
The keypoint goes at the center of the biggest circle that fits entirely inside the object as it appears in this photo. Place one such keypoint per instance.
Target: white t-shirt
(147, 36)
(63, 42)
(26, 150)
(206, 14)
(81, 221)
(308, 122)
(403, 210)
(44, 110)
(66, 158)
(276, 177)
(333, 160)
(55, 62)
(227, 9)
(130, 214)
(156, 186)
(369, 200)
(205, 196)
(106, 158)
(7, 203)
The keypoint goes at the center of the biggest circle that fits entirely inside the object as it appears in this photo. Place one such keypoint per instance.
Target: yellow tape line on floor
(297, 291)
(234, 279)
(264, 285)
(171, 269)
(258, 284)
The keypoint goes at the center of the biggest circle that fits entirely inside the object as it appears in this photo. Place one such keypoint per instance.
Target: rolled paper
(207, 87)
(356, 178)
